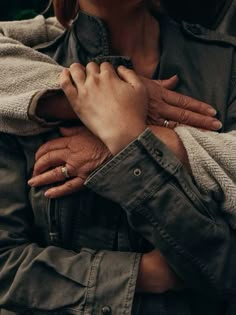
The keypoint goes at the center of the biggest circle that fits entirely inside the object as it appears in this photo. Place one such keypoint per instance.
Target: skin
(125, 97)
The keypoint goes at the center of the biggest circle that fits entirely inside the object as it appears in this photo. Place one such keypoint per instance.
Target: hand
(165, 104)
(79, 150)
(114, 108)
(155, 275)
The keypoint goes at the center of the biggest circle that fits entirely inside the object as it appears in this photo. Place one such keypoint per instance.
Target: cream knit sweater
(25, 74)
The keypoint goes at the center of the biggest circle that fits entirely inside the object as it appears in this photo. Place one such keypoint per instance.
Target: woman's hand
(114, 108)
(176, 108)
(155, 275)
(79, 150)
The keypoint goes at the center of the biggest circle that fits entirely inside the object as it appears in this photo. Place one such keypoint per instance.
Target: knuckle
(202, 107)
(64, 82)
(164, 93)
(93, 79)
(183, 117)
(46, 159)
(70, 186)
(89, 65)
(83, 92)
(106, 73)
(57, 173)
(183, 101)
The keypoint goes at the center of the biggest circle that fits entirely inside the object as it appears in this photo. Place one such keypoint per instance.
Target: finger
(161, 122)
(67, 188)
(129, 76)
(107, 68)
(66, 83)
(52, 145)
(70, 131)
(186, 117)
(170, 83)
(186, 102)
(78, 74)
(92, 68)
(53, 176)
(49, 160)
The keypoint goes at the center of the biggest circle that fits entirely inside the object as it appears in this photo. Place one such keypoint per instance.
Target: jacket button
(158, 153)
(137, 172)
(106, 310)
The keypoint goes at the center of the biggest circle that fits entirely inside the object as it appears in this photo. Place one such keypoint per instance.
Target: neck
(133, 31)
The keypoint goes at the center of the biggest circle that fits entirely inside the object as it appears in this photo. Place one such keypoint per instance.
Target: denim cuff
(131, 175)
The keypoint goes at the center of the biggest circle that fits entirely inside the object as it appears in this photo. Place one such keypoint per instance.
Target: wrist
(55, 107)
(121, 139)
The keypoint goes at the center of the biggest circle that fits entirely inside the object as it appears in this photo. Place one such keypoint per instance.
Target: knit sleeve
(24, 73)
(32, 32)
(212, 159)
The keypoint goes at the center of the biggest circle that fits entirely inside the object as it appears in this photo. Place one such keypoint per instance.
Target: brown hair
(65, 10)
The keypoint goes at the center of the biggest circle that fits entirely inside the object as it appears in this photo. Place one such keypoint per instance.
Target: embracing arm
(47, 278)
(27, 76)
(159, 196)
(163, 203)
(32, 32)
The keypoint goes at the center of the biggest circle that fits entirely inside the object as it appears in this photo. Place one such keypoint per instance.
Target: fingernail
(212, 111)
(31, 182)
(47, 194)
(217, 124)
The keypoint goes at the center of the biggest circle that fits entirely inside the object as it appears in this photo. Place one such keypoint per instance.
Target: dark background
(21, 9)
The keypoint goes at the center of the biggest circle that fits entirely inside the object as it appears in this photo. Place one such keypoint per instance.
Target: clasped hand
(115, 106)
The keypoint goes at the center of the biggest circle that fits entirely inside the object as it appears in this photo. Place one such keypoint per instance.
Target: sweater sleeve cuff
(33, 106)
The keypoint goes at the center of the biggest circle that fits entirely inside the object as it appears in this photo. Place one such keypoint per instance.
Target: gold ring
(65, 172)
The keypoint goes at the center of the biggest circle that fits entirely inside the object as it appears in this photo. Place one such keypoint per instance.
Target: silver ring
(65, 172)
(166, 123)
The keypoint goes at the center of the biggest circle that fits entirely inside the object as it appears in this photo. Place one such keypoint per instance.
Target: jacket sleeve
(164, 204)
(48, 278)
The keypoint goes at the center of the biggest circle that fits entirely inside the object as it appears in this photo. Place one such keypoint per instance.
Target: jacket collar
(92, 33)
(207, 35)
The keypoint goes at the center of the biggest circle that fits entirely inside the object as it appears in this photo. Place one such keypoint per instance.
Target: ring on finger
(65, 173)
(166, 123)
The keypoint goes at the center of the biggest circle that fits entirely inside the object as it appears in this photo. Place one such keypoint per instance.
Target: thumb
(170, 83)
(129, 76)
(70, 131)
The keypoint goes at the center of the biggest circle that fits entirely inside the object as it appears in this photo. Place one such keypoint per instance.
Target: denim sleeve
(164, 205)
(44, 278)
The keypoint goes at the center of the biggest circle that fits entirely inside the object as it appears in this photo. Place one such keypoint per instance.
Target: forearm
(77, 279)
(166, 207)
(55, 107)
(25, 73)
(171, 139)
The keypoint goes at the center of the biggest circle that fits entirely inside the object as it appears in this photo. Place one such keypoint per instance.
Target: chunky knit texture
(213, 164)
(24, 71)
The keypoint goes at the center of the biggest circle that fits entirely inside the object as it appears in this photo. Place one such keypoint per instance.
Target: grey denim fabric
(79, 254)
